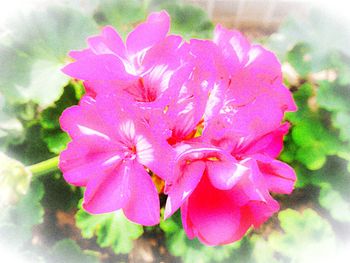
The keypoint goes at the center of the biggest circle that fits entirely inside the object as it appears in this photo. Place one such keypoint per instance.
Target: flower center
(141, 91)
(130, 153)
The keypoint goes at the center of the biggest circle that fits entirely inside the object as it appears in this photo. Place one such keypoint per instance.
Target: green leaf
(33, 149)
(333, 97)
(314, 143)
(312, 157)
(188, 21)
(306, 236)
(299, 58)
(68, 251)
(262, 252)
(37, 49)
(334, 202)
(318, 29)
(56, 140)
(122, 14)
(342, 122)
(11, 129)
(112, 230)
(52, 134)
(16, 222)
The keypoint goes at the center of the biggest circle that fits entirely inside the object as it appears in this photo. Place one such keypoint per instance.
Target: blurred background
(41, 219)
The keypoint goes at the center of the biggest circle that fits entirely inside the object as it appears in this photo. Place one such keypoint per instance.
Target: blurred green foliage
(34, 93)
(306, 237)
(113, 230)
(16, 222)
(66, 250)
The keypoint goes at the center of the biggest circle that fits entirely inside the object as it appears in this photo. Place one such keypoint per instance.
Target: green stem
(44, 167)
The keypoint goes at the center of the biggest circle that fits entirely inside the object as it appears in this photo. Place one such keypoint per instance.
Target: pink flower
(252, 78)
(222, 193)
(148, 69)
(185, 113)
(205, 116)
(223, 179)
(111, 152)
(220, 197)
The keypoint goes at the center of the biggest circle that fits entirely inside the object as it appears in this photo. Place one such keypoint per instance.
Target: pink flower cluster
(204, 116)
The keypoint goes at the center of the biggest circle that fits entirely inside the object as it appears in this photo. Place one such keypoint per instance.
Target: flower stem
(44, 167)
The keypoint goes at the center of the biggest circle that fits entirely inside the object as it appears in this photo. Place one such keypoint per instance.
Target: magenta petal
(84, 120)
(87, 157)
(143, 203)
(259, 212)
(234, 46)
(167, 52)
(258, 117)
(109, 42)
(148, 33)
(79, 54)
(279, 176)
(108, 191)
(98, 67)
(98, 46)
(157, 155)
(128, 124)
(270, 144)
(113, 41)
(212, 215)
(286, 98)
(225, 174)
(186, 223)
(254, 185)
(179, 190)
(242, 125)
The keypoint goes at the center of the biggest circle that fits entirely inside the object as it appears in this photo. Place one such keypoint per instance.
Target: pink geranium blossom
(222, 180)
(147, 69)
(204, 116)
(253, 79)
(222, 193)
(111, 152)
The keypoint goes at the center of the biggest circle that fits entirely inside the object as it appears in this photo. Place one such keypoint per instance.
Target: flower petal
(270, 144)
(151, 150)
(233, 44)
(108, 191)
(97, 68)
(279, 176)
(143, 203)
(79, 54)
(87, 157)
(212, 216)
(224, 174)
(109, 42)
(84, 120)
(179, 190)
(148, 33)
